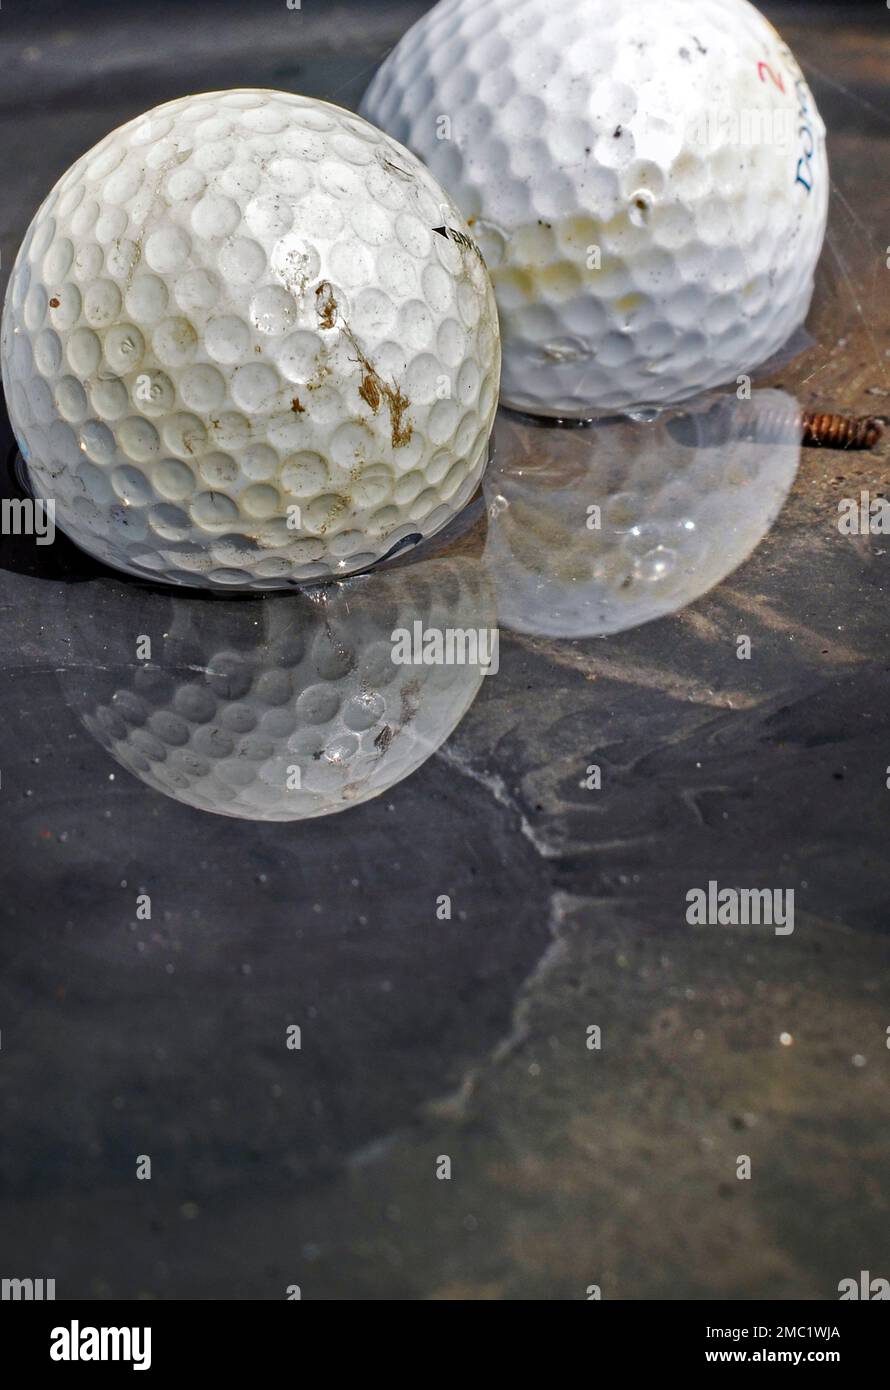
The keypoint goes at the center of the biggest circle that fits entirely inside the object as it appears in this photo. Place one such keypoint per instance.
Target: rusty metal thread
(777, 424)
(814, 428)
(840, 431)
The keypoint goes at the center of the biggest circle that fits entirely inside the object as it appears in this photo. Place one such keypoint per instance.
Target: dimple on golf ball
(249, 341)
(647, 180)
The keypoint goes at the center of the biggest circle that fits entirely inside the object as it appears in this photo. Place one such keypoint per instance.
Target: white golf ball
(647, 181)
(248, 342)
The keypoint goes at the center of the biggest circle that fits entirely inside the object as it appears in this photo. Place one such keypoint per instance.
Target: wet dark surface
(423, 1037)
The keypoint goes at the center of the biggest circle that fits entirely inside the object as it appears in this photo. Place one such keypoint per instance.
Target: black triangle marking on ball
(461, 238)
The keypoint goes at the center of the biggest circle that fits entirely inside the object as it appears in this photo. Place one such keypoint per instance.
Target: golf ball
(647, 181)
(248, 341)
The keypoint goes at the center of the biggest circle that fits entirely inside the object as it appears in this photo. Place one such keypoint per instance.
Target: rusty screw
(773, 425)
(840, 431)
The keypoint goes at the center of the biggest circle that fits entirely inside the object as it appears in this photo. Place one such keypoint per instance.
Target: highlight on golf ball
(248, 342)
(647, 181)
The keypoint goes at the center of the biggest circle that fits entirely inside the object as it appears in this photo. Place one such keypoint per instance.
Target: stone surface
(466, 1038)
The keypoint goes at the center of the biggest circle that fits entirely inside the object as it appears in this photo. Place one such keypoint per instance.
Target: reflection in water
(275, 709)
(599, 529)
(292, 706)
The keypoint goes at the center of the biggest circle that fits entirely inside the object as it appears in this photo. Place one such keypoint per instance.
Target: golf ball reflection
(598, 529)
(289, 708)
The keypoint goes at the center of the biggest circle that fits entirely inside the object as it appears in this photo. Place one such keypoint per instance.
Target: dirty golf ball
(647, 182)
(249, 341)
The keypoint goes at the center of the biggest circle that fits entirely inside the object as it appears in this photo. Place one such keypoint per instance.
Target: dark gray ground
(464, 1038)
